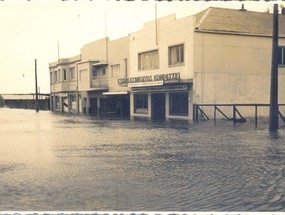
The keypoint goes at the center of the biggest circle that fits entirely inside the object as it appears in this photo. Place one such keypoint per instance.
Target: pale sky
(30, 30)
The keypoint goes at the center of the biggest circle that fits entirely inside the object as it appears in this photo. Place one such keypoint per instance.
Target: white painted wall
(234, 69)
(118, 51)
(170, 31)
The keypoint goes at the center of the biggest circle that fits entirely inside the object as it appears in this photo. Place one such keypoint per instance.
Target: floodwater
(69, 162)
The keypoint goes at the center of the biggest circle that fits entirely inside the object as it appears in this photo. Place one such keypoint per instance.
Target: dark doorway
(158, 105)
(125, 108)
(93, 106)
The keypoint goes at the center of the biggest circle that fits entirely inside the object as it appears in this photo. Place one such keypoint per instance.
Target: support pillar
(273, 115)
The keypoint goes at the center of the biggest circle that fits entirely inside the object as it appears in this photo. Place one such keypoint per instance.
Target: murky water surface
(69, 162)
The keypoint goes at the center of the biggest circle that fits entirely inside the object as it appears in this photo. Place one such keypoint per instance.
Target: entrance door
(158, 105)
(93, 106)
(125, 106)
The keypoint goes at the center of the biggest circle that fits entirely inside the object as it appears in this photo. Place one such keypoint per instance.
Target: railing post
(234, 114)
(255, 115)
(197, 113)
(193, 113)
(215, 112)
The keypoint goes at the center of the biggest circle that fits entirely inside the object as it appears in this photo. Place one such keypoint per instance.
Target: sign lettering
(150, 78)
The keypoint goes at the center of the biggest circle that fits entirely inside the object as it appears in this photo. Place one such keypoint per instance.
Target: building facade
(218, 56)
(63, 84)
(232, 61)
(161, 69)
(90, 86)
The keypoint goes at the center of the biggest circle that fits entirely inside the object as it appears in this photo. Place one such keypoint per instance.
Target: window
(281, 56)
(72, 102)
(55, 77)
(57, 102)
(94, 73)
(126, 67)
(148, 60)
(72, 73)
(178, 104)
(103, 71)
(98, 71)
(64, 74)
(141, 103)
(176, 55)
(115, 69)
(83, 76)
(58, 76)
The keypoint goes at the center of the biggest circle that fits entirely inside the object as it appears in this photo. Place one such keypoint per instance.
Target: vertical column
(149, 105)
(167, 108)
(132, 103)
(190, 101)
(69, 102)
(273, 115)
(87, 104)
(98, 106)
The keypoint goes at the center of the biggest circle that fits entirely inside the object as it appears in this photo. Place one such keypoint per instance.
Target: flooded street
(73, 162)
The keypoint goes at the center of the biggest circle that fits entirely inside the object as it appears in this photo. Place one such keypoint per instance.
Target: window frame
(178, 96)
(179, 62)
(64, 75)
(99, 71)
(115, 70)
(140, 59)
(282, 57)
(145, 106)
(72, 73)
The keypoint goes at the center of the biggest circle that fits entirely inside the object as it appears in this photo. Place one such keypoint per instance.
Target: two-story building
(232, 60)
(87, 83)
(161, 69)
(63, 84)
(218, 56)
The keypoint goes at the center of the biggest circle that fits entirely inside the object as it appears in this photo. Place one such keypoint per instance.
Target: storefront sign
(149, 79)
(146, 84)
(161, 88)
(167, 77)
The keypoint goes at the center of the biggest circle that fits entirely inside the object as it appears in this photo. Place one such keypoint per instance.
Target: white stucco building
(232, 61)
(88, 82)
(218, 56)
(161, 69)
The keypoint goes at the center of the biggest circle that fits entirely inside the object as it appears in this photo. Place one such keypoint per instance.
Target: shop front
(165, 102)
(160, 97)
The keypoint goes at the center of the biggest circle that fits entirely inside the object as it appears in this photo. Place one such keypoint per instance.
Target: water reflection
(69, 162)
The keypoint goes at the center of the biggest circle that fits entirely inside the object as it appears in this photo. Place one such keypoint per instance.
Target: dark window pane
(141, 103)
(178, 104)
(280, 56)
(283, 60)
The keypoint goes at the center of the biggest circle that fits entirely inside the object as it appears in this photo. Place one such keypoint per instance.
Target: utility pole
(273, 115)
(36, 82)
(156, 39)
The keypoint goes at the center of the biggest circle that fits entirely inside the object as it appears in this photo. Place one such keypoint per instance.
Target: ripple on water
(102, 164)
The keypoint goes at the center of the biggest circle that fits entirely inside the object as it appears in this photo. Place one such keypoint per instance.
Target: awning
(116, 93)
(100, 64)
(97, 89)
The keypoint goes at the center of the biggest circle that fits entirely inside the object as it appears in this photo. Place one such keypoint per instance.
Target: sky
(33, 29)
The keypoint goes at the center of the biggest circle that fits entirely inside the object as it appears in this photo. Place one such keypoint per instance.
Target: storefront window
(178, 104)
(141, 103)
(57, 102)
(72, 102)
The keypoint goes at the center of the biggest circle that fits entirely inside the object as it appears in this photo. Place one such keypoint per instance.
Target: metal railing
(199, 113)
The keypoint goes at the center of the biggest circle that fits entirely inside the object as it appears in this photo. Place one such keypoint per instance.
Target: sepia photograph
(121, 107)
